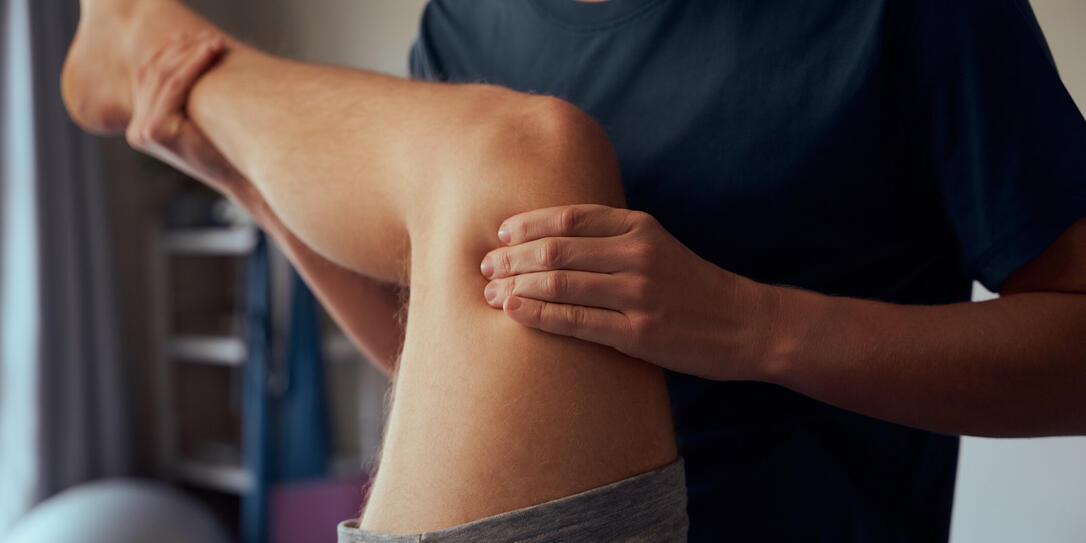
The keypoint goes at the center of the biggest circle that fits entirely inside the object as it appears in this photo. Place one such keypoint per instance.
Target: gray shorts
(646, 507)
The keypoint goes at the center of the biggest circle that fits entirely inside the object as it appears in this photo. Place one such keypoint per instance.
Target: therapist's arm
(1015, 366)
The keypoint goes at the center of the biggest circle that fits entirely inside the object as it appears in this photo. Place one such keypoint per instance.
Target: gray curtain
(62, 417)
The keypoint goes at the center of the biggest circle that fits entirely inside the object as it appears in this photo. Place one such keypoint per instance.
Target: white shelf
(346, 467)
(237, 240)
(337, 347)
(225, 351)
(224, 478)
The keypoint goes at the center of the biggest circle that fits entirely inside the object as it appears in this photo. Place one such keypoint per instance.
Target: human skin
(1011, 367)
(406, 182)
(369, 311)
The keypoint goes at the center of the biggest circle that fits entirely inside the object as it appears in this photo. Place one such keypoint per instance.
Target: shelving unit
(219, 350)
(225, 241)
(221, 472)
(223, 478)
(197, 285)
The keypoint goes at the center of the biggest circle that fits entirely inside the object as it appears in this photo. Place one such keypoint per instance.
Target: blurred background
(157, 353)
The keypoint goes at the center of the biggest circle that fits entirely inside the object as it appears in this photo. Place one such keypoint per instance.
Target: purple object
(309, 511)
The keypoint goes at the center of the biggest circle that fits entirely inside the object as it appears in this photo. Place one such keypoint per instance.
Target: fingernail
(513, 303)
(486, 268)
(490, 291)
(503, 234)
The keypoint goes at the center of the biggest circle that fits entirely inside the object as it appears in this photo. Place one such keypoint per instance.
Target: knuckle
(550, 253)
(640, 327)
(641, 254)
(640, 219)
(556, 285)
(502, 263)
(576, 317)
(570, 219)
(640, 288)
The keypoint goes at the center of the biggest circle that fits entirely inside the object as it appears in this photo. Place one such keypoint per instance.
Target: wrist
(747, 331)
(792, 316)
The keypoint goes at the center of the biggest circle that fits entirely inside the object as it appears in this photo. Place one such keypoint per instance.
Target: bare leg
(375, 173)
(279, 125)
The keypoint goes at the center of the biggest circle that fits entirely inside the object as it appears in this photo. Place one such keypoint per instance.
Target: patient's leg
(490, 416)
(324, 145)
(376, 173)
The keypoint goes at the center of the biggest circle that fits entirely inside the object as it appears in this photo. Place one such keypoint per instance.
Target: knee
(528, 152)
(517, 152)
(558, 152)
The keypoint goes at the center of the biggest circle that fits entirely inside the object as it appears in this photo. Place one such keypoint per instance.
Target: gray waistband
(646, 507)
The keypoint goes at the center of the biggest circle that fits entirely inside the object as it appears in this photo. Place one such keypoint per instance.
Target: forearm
(368, 311)
(1015, 366)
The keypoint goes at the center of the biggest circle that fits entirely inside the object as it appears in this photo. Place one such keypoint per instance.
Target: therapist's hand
(160, 125)
(616, 277)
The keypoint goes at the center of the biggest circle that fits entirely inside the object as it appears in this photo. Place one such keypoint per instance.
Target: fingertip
(504, 234)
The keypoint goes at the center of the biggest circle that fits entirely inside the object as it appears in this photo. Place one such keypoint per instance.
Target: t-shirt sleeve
(1007, 143)
(420, 58)
(419, 63)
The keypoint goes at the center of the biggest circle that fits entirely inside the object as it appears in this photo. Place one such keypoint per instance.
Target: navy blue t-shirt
(890, 150)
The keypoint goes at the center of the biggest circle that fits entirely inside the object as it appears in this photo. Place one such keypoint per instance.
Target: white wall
(1064, 25)
(368, 34)
(1021, 490)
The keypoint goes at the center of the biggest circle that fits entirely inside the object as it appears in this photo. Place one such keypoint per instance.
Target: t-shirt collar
(593, 15)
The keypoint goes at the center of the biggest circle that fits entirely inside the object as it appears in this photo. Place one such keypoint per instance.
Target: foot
(112, 37)
(95, 83)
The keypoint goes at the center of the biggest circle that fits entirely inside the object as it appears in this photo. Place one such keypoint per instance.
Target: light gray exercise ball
(118, 511)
